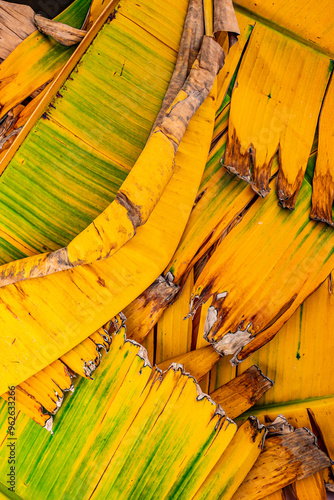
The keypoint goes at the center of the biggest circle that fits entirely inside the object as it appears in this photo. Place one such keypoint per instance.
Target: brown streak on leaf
(47, 263)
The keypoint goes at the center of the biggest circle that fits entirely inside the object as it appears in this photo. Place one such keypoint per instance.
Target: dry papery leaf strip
(128, 209)
(192, 36)
(26, 65)
(19, 21)
(37, 60)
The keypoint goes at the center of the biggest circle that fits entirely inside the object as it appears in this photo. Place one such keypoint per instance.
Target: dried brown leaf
(62, 33)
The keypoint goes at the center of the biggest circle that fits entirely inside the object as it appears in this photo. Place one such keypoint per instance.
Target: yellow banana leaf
(274, 106)
(63, 188)
(323, 194)
(207, 223)
(18, 81)
(142, 434)
(201, 343)
(142, 188)
(231, 329)
(314, 26)
(197, 362)
(250, 302)
(122, 26)
(149, 345)
(96, 8)
(235, 396)
(232, 465)
(234, 55)
(41, 396)
(307, 266)
(241, 393)
(311, 486)
(220, 200)
(221, 203)
(300, 351)
(56, 262)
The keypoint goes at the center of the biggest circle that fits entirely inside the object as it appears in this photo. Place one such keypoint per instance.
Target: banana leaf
(58, 124)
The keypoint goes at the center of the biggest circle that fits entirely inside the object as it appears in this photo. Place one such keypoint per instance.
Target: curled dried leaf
(62, 33)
